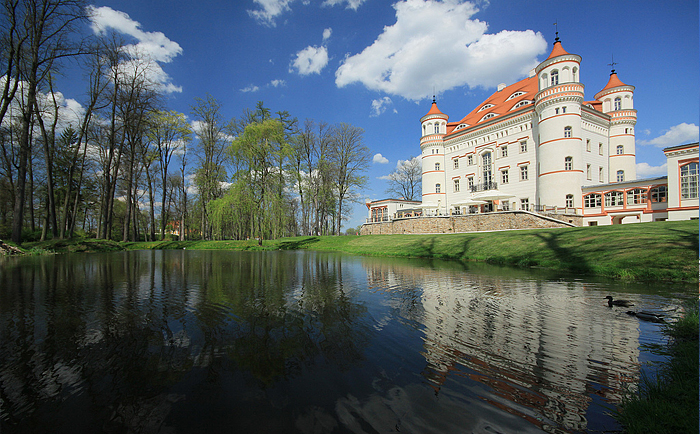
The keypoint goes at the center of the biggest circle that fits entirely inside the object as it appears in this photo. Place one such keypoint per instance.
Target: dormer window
(487, 116)
(521, 104)
(486, 106)
(516, 94)
(460, 126)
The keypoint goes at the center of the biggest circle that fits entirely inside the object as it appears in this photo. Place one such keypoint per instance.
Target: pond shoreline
(659, 251)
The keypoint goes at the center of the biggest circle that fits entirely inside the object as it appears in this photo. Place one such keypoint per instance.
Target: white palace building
(539, 146)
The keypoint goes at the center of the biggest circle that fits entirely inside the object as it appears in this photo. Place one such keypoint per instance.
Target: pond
(310, 342)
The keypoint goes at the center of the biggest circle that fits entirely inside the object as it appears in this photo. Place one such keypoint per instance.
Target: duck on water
(625, 303)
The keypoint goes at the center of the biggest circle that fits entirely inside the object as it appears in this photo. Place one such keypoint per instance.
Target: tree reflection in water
(210, 341)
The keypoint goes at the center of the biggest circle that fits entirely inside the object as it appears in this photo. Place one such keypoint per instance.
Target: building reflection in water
(541, 350)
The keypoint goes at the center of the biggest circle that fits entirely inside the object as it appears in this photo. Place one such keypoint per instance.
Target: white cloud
(677, 135)
(271, 9)
(351, 4)
(379, 158)
(644, 170)
(437, 44)
(327, 33)
(379, 106)
(278, 83)
(310, 60)
(152, 48)
(250, 88)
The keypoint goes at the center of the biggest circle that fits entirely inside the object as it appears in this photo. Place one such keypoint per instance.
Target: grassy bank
(669, 402)
(649, 251)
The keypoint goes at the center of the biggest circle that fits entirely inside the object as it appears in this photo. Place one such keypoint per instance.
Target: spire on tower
(612, 64)
(556, 34)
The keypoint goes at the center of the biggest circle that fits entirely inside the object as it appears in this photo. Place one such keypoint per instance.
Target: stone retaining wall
(471, 223)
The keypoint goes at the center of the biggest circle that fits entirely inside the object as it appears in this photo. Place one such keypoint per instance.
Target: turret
(558, 107)
(618, 101)
(434, 128)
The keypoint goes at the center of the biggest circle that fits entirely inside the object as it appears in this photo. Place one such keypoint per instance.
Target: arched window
(437, 188)
(437, 128)
(569, 200)
(568, 163)
(620, 175)
(618, 103)
(574, 71)
(620, 150)
(567, 131)
(555, 78)
(614, 198)
(437, 166)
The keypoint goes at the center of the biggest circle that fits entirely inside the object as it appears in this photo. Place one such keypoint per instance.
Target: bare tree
(213, 135)
(405, 180)
(350, 158)
(47, 28)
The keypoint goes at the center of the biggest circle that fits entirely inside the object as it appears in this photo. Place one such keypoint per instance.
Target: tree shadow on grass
(689, 237)
(298, 244)
(568, 256)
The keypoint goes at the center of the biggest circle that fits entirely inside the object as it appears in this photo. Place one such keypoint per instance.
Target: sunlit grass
(645, 251)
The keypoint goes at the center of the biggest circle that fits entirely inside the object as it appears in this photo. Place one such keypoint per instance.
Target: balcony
(484, 186)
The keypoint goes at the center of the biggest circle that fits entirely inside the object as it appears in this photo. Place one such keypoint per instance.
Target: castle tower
(558, 109)
(434, 128)
(618, 102)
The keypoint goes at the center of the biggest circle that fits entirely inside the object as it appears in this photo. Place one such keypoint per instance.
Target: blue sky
(375, 64)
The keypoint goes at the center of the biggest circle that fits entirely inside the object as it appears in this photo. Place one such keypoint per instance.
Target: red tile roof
(557, 50)
(613, 82)
(501, 104)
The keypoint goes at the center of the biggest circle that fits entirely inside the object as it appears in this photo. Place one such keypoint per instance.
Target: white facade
(531, 145)
(671, 197)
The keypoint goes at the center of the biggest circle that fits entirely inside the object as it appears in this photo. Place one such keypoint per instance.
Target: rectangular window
(614, 198)
(588, 145)
(588, 172)
(525, 204)
(504, 176)
(470, 160)
(523, 147)
(658, 194)
(689, 181)
(456, 163)
(600, 149)
(504, 151)
(601, 178)
(470, 182)
(567, 131)
(592, 201)
(456, 185)
(563, 109)
(636, 196)
(523, 173)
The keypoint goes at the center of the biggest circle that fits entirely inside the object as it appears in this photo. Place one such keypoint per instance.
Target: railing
(484, 186)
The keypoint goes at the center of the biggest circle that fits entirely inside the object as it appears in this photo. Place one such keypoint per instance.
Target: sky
(376, 64)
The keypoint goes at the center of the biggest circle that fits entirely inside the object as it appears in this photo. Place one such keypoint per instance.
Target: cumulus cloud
(351, 4)
(151, 49)
(250, 88)
(270, 10)
(379, 158)
(379, 106)
(310, 60)
(438, 44)
(644, 170)
(676, 135)
(327, 33)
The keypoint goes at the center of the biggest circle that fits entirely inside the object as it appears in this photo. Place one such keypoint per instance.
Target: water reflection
(205, 341)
